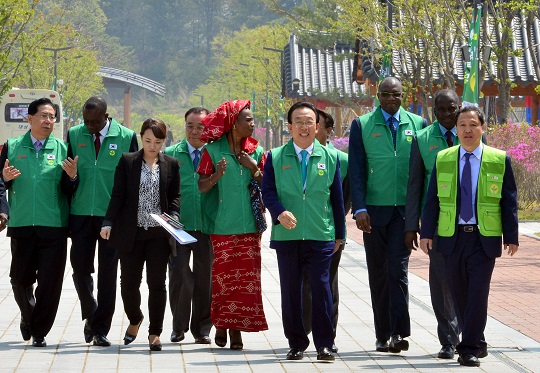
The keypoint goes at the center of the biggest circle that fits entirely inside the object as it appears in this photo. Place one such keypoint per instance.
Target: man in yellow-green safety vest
(471, 201)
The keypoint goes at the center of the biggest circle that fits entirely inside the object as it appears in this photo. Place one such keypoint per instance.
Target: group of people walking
(99, 188)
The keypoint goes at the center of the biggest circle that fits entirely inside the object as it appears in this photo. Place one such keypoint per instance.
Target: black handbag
(257, 205)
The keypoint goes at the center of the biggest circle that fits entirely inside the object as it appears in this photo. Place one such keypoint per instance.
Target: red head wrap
(220, 121)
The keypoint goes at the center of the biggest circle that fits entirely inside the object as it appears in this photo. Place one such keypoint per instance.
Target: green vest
(312, 207)
(96, 177)
(226, 208)
(490, 181)
(343, 160)
(387, 169)
(35, 197)
(190, 204)
(430, 142)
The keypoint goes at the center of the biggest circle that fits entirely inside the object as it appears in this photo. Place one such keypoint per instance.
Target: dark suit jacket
(122, 212)
(492, 245)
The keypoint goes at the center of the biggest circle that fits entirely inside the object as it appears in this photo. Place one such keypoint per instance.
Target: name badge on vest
(113, 146)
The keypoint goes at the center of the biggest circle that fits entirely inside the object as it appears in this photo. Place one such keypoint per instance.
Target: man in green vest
(470, 203)
(302, 190)
(190, 291)
(326, 126)
(427, 143)
(379, 150)
(99, 143)
(40, 178)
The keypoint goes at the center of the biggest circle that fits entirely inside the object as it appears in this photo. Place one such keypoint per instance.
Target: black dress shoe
(483, 353)
(334, 348)
(177, 336)
(325, 354)
(39, 342)
(101, 340)
(204, 340)
(381, 346)
(87, 331)
(128, 338)
(447, 352)
(25, 331)
(398, 344)
(156, 345)
(295, 354)
(468, 360)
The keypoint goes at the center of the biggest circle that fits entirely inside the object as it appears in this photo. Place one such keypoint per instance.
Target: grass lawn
(533, 214)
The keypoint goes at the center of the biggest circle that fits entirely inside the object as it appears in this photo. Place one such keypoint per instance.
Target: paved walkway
(509, 350)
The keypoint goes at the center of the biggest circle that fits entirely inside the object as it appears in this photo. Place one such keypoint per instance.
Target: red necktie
(449, 138)
(97, 144)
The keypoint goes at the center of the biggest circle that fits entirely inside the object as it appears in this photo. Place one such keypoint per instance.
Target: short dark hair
(34, 105)
(157, 126)
(328, 120)
(472, 109)
(445, 92)
(95, 103)
(300, 104)
(196, 110)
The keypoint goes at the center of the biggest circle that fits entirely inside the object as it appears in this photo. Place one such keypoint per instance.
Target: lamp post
(55, 60)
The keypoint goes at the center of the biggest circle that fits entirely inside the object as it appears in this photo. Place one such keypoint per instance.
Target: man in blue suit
(472, 202)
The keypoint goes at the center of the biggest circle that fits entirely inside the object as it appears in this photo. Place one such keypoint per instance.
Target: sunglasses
(388, 94)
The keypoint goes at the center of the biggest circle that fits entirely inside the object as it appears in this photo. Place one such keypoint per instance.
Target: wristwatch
(257, 174)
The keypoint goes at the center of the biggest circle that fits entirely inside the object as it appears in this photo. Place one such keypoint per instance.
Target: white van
(15, 102)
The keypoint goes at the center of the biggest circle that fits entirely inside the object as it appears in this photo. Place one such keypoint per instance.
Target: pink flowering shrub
(341, 143)
(522, 144)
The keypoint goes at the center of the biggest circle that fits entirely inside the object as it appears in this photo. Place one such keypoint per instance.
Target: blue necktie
(196, 158)
(38, 145)
(304, 167)
(466, 207)
(392, 129)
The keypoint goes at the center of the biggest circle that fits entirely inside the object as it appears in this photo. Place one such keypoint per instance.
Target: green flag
(471, 78)
(386, 69)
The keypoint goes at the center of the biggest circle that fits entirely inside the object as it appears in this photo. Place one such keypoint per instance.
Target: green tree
(76, 67)
(246, 70)
(19, 39)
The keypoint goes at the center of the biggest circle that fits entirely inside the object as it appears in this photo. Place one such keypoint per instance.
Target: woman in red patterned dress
(228, 164)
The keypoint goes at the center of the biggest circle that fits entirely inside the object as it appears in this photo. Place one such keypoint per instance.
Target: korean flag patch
(408, 132)
(321, 166)
(50, 156)
(113, 146)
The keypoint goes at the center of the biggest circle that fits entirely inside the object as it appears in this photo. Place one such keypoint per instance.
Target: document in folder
(179, 234)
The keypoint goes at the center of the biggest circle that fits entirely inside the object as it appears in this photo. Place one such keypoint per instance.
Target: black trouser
(387, 260)
(334, 287)
(152, 247)
(190, 291)
(441, 299)
(469, 272)
(84, 234)
(34, 258)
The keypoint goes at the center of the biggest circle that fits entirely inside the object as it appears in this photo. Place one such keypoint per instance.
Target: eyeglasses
(308, 124)
(388, 94)
(51, 118)
(193, 128)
